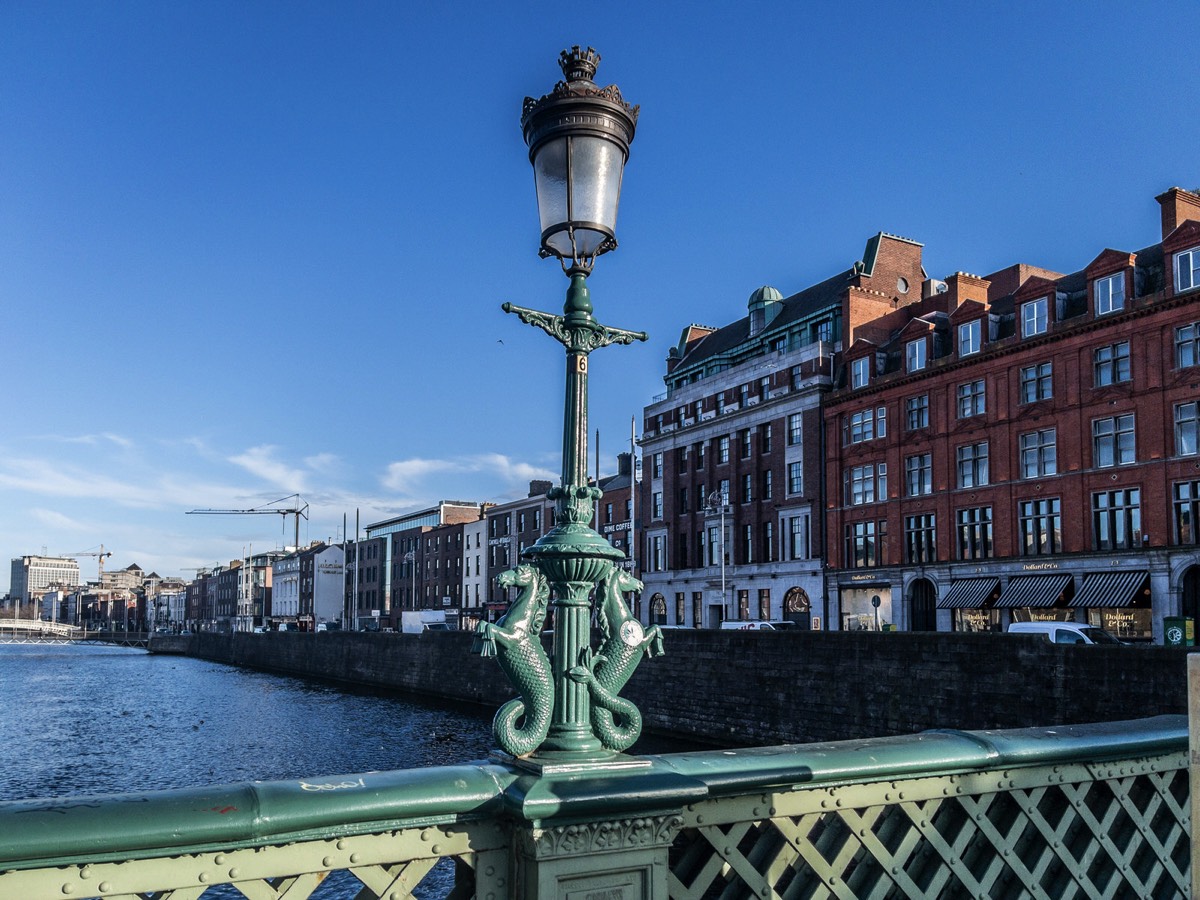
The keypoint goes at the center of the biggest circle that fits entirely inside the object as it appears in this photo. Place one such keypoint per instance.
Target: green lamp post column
(578, 137)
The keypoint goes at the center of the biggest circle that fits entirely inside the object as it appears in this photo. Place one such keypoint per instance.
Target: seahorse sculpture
(616, 721)
(514, 641)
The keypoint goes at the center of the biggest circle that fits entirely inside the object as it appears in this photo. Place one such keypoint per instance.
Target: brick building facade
(889, 450)
(1023, 445)
(732, 469)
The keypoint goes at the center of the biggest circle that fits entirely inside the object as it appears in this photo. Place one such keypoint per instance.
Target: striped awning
(1033, 591)
(1112, 589)
(969, 593)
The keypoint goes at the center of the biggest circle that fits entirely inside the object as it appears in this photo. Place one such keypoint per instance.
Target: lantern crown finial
(579, 65)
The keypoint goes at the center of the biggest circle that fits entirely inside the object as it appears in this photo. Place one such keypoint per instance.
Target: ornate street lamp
(569, 711)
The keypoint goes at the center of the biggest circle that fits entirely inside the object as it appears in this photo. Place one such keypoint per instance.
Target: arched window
(1191, 593)
(798, 608)
(658, 610)
(922, 598)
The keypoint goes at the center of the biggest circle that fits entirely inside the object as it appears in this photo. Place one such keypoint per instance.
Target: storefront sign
(1039, 567)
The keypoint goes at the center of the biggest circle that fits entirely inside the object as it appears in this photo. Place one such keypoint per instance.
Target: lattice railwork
(396, 865)
(1117, 830)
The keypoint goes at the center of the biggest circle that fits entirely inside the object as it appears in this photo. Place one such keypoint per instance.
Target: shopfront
(1118, 602)
(970, 600)
(1038, 598)
(866, 607)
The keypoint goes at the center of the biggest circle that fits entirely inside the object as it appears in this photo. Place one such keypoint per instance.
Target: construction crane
(101, 554)
(297, 508)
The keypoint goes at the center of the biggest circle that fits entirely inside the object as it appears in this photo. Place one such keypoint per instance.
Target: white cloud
(458, 476)
(322, 462)
(92, 439)
(408, 476)
(261, 462)
(55, 519)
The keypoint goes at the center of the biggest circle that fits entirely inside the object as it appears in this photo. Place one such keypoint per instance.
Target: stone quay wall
(738, 688)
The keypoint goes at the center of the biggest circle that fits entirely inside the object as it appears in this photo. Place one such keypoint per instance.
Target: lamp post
(578, 137)
(717, 501)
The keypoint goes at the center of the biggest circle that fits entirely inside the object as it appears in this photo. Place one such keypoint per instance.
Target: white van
(756, 625)
(1064, 632)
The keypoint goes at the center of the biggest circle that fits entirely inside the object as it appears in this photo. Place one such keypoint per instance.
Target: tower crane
(296, 508)
(101, 555)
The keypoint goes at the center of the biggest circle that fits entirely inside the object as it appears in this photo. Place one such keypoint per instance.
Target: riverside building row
(886, 450)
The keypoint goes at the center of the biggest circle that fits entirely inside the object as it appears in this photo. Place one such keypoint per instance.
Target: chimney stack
(1178, 206)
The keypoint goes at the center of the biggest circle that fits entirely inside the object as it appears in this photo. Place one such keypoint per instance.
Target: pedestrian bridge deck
(33, 631)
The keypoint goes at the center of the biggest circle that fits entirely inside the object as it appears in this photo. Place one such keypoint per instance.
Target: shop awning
(1033, 591)
(1111, 589)
(969, 593)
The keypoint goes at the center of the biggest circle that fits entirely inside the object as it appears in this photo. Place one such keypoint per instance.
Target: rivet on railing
(437, 848)
(105, 887)
(85, 872)
(355, 857)
(235, 872)
(219, 859)
(327, 862)
(68, 888)
(341, 845)
(771, 811)
(699, 819)
(205, 877)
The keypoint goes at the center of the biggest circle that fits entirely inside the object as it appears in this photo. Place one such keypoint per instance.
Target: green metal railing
(1079, 811)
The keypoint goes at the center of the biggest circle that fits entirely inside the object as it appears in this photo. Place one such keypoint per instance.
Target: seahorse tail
(529, 736)
(607, 708)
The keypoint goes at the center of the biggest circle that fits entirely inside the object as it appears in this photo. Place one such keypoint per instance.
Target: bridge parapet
(1088, 810)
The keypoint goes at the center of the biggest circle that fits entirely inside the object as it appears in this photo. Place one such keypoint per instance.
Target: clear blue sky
(249, 249)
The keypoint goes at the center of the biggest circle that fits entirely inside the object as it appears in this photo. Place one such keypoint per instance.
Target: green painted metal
(587, 720)
(1079, 811)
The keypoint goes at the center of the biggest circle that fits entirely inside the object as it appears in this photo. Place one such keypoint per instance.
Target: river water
(90, 719)
(86, 719)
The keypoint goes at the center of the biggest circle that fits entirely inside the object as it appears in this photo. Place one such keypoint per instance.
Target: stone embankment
(748, 688)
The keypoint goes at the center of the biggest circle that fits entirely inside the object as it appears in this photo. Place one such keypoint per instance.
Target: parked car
(756, 625)
(1064, 632)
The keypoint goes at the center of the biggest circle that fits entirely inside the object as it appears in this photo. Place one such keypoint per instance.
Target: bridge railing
(37, 626)
(1078, 811)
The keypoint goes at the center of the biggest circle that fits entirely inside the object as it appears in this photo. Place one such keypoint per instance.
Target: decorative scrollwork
(576, 337)
(594, 837)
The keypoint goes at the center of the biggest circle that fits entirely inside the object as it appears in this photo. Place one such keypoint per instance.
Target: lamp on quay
(569, 712)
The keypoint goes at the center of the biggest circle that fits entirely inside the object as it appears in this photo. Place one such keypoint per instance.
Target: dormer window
(969, 337)
(1034, 319)
(1187, 270)
(1110, 294)
(859, 372)
(914, 355)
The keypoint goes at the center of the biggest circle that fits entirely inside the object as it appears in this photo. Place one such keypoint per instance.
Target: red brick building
(1023, 445)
